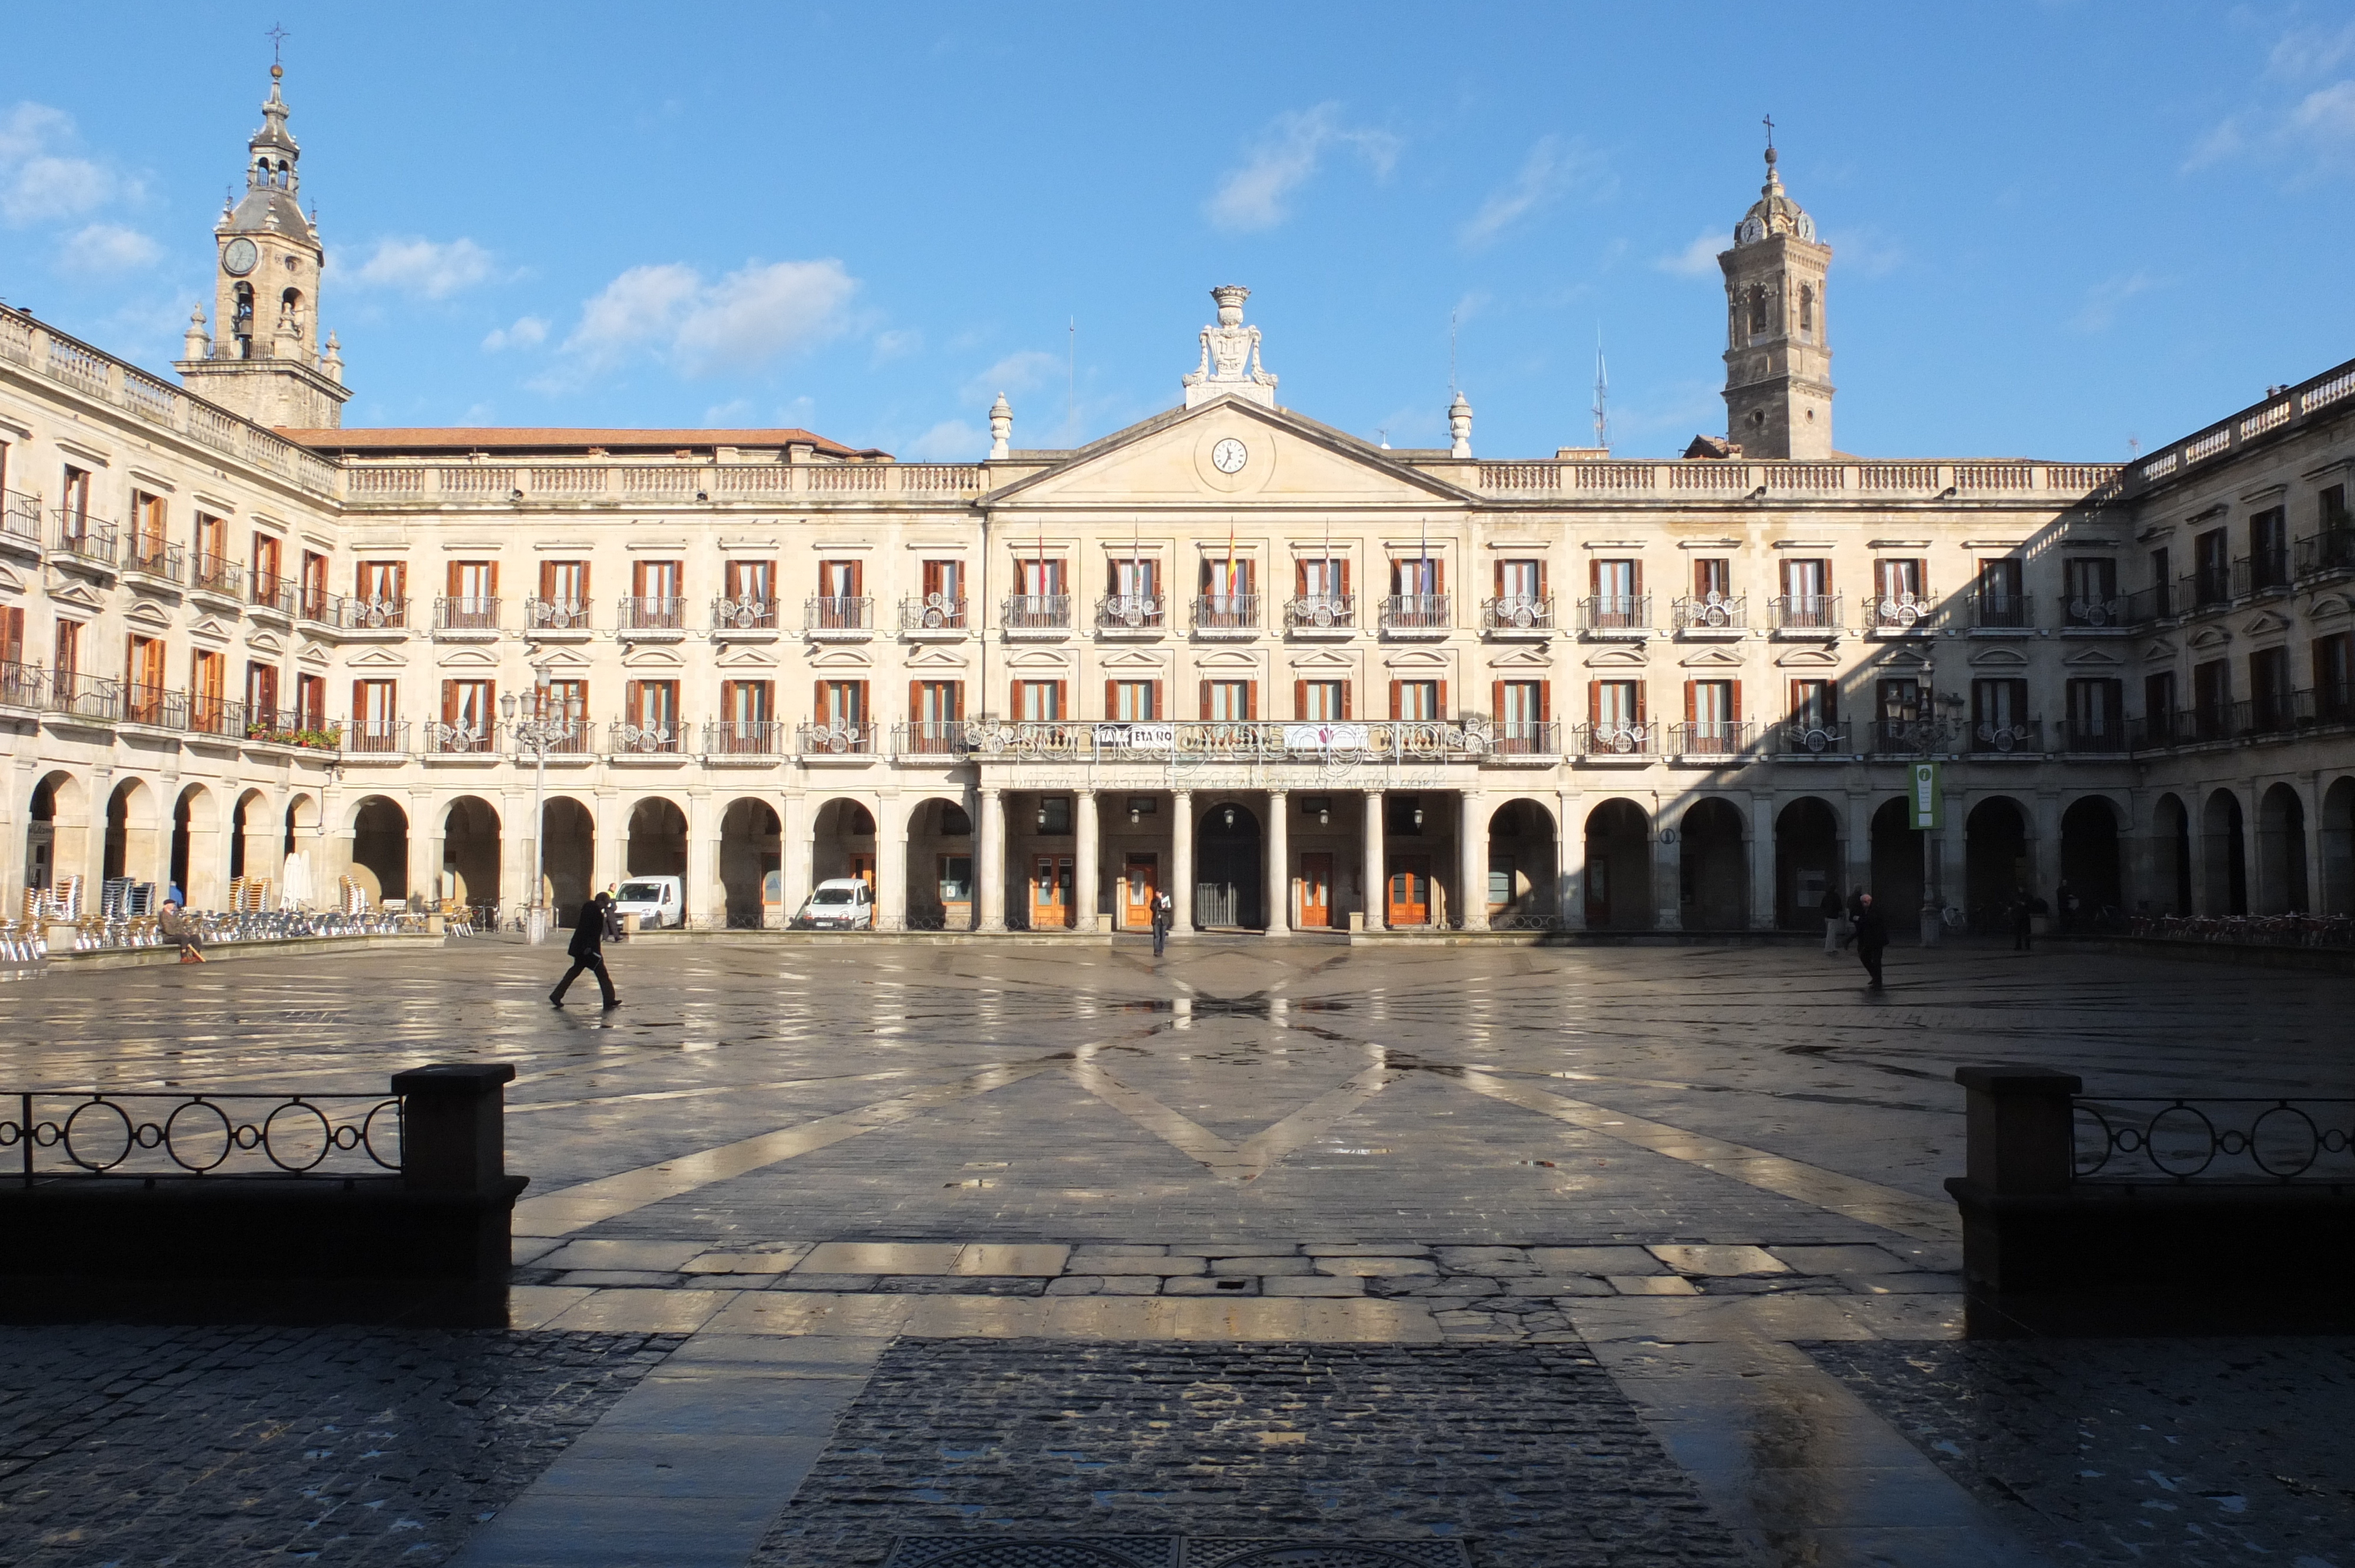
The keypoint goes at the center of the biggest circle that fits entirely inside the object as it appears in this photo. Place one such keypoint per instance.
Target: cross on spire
(1770, 132)
(277, 36)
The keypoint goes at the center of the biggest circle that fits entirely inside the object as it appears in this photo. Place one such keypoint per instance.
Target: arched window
(1757, 310)
(1806, 308)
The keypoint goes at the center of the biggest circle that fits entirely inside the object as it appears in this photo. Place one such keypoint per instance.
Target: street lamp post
(540, 733)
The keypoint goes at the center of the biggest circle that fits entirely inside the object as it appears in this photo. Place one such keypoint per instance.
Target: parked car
(657, 901)
(838, 904)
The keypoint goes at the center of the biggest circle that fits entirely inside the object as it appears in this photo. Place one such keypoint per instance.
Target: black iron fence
(2246, 1140)
(346, 1138)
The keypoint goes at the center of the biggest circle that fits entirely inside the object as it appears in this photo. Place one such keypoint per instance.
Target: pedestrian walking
(614, 930)
(179, 927)
(1856, 896)
(1871, 937)
(587, 952)
(1835, 914)
(2023, 928)
(1161, 910)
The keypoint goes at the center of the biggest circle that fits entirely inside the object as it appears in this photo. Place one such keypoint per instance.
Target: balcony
(2002, 613)
(1517, 614)
(216, 717)
(1226, 615)
(2020, 738)
(650, 738)
(1266, 740)
(2267, 571)
(20, 520)
(651, 617)
(382, 739)
(1711, 615)
(1415, 615)
(2205, 590)
(75, 695)
(460, 619)
(2107, 737)
(556, 619)
(570, 740)
(838, 620)
(1142, 613)
(1708, 739)
(1805, 614)
(151, 558)
(728, 741)
(218, 574)
(1801, 738)
(23, 686)
(837, 741)
(154, 707)
(747, 618)
(480, 741)
(2162, 601)
(1911, 737)
(1615, 615)
(84, 541)
(2274, 713)
(1036, 614)
(1899, 615)
(1321, 614)
(1532, 741)
(934, 614)
(2080, 614)
(1617, 742)
(274, 596)
(2332, 550)
(930, 737)
(292, 726)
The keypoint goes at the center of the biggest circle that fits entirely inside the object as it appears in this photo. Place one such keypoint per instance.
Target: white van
(657, 901)
(838, 904)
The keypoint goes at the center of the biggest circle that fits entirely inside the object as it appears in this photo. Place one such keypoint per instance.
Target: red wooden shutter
(1541, 579)
(1299, 579)
(450, 702)
(1394, 699)
(915, 702)
(1593, 576)
(1206, 699)
(1160, 700)
(1641, 692)
(1692, 701)
(956, 701)
(1063, 700)
(1500, 580)
(1345, 575)
(817, 702)
(1497, 688)
(857, 579)
(12, 636)
(1733, 701)
(1443, 701)
(1593, 702)
(359, 701)
(1111, 699)
(1636, 577)
(1348, 699)
(1545, 702)
(1300, 695)
(1251, 700)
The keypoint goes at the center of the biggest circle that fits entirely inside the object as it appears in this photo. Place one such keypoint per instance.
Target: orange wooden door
(1050, 893)
(862, 867)
(1315, 890)
(1409, 891)
(1139, 880)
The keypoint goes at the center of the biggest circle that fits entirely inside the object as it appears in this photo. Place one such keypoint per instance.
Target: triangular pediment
(2261, 623)
(313, 657)
(1285, 460)
(935, 657)
(1711, 659)
(1136, 658)
(1807, 659)
(79, 594)
(2093, 659)
(1902, 658)
(2158, 652)
(745, 656)
(1522, 659)
(212, 629)
(1324, 660)
(565, 660)
(378, 658)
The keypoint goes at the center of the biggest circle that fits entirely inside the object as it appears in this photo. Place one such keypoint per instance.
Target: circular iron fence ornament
(2151, 1137)
(269, 1135)
(2314, 1142)
(172, 1135)
(66, 1133)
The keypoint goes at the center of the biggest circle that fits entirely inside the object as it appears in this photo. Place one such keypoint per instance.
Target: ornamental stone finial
(1001, 427)
(1230, 365)
(198, 343)
(332, 362)
(1459, 426)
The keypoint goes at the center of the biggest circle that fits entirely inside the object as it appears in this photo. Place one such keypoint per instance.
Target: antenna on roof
(1601, 395)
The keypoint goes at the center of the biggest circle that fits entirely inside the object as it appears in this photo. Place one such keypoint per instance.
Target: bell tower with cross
(262, 356)
(1778, 358)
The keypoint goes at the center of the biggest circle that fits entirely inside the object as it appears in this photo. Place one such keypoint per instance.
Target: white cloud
(1697, 259)
(1865, 253)
(106, 248)
(745, 320)
(529, 332)
(1253, 196)
(2103, 299)
(1016, 373)
(951, 440)
(2314, 135)
(898, 344)
(40, 180)
(1553, 169)
(433, 269)
(2308, 52)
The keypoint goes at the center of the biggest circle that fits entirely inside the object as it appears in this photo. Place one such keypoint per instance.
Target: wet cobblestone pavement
(1522, 1245)
(209, 1446)
(2168, 1453)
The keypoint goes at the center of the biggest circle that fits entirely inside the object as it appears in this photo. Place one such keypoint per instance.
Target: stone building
(1301, 679)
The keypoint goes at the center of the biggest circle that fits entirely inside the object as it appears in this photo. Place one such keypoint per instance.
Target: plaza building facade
(1299, 680)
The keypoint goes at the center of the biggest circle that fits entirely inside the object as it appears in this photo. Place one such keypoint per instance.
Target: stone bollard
(2020, 1132)
(457, 1213)
(453, 1130)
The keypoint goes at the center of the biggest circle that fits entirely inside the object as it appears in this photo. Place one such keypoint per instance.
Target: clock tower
(264, 359)
(1778, 359)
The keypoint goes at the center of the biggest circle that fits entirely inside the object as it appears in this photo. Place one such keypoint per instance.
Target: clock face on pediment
(1230, 455)
(240, 257)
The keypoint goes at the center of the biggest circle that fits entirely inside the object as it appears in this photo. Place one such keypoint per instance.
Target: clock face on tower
(240, 257)
(1229, 456)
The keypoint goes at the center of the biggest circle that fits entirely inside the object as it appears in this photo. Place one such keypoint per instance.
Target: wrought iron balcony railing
(2021, 736)
(462, 739)
(934, 612)
(1416, 612)
(1899, 612)
(1710, 737)
(21, 516)
(2162, 601)
(1617, 739)
(1468, 739)
(556, 614)
(929, 738)
(155, 557)
(154, 705)
(292, 727)
(466, 614)
(2002, 611)
(1616, 612)
(376, 736)
(1226, 612)
(1527, 738)
(836, 739)
(218, 573)
(658, 612)
(1038, 612)
(2104, 737)
(744, 738)
(1911, 737)
(268, 591)
(1130, 613)
(1321, 612)
(2331, 550)
(1711, 612)
(86, 537)
(216, 715)
(1805, 612)
(646, 737)
(1806, 737)
(2266, 571)
(744, 613)
(825, 614)
(23, 685)
(1518, 613)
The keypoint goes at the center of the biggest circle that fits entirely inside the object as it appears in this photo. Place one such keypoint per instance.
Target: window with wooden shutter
(12, 635)
(310, 700)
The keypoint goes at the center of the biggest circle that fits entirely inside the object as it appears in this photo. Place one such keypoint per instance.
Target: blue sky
(2058, 228)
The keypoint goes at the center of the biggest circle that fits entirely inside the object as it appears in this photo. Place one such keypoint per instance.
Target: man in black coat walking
(587, 952)
(1871, 936)
(1162, 908)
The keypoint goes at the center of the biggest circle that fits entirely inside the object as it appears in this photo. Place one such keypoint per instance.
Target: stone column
(1569, 862)
(793, 851)
(2309, 847)
(1279, 863)
(15, 817)
(707, 897)
(265, 838)
(1472, 861)
(610, 860)
(426, 830)
(1374, 899)
(207, 883)
(1181, 860)
(2044, 854)
(1953, 852)
(1859, 846)
(891, 864)
(989, 827)
(516, 838)
(1085, 873)
(1762, 862)
(1668, 870)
